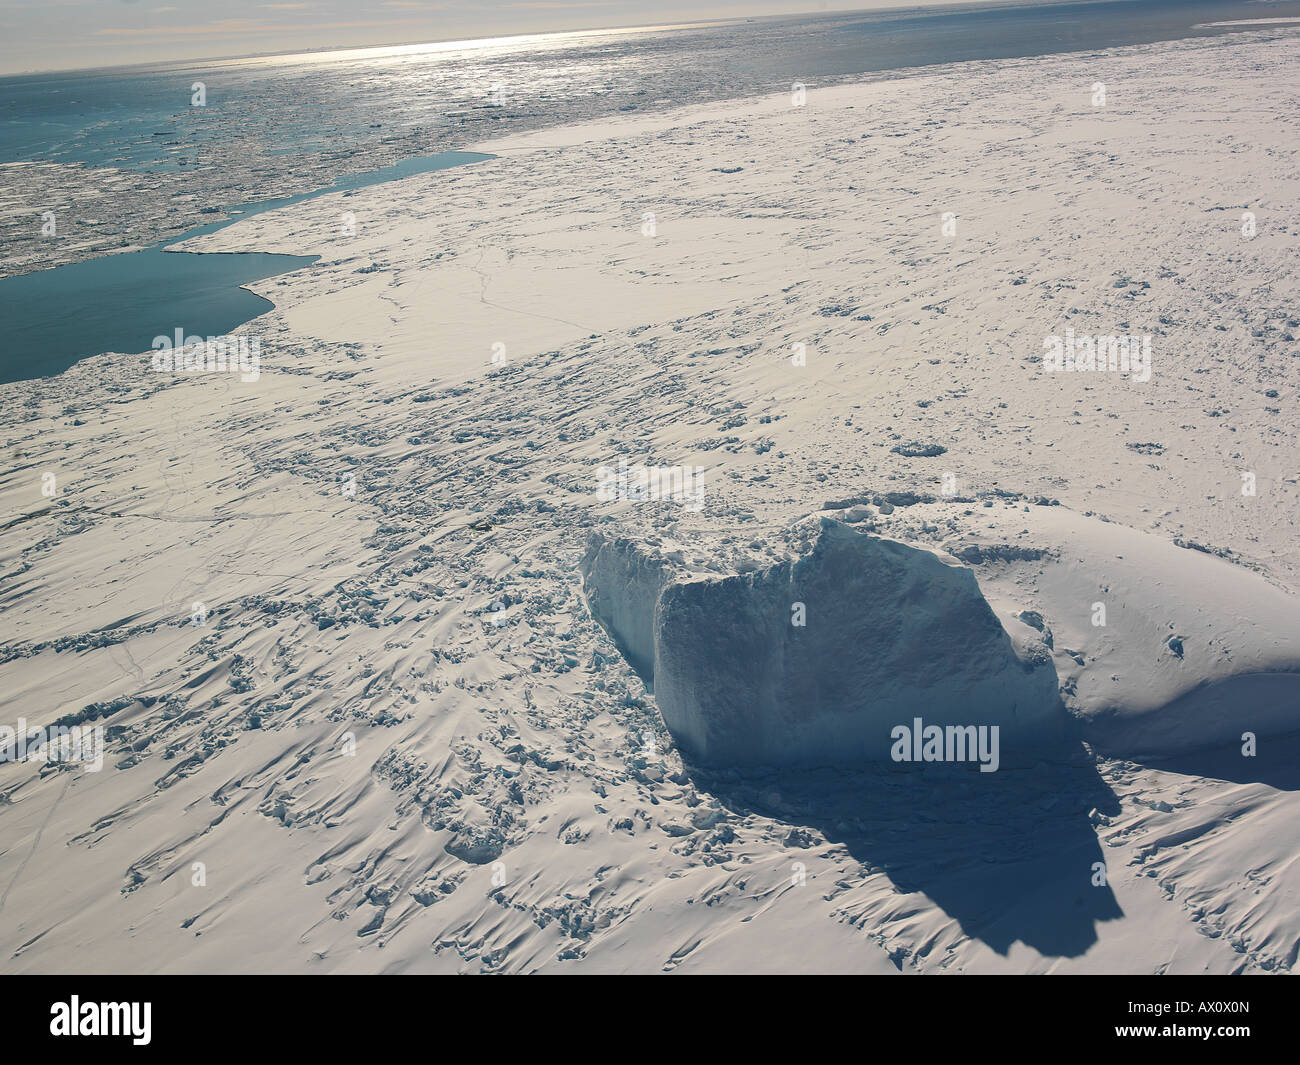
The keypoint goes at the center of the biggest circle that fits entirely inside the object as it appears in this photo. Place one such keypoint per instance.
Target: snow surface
(1195, 651)
(435, 617)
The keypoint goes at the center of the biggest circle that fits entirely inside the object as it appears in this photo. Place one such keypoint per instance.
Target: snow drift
(889, 633)
(1194, 651)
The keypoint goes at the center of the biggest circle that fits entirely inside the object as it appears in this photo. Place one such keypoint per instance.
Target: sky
(77, 34)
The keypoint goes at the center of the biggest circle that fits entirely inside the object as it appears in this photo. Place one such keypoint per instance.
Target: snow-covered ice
(401, 741)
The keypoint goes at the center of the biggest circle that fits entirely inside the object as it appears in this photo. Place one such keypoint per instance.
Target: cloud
(236, 27)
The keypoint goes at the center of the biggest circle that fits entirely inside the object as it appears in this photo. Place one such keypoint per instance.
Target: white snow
(397, 684)
(1191, 651)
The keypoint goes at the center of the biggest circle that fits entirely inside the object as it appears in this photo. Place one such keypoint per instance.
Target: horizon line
(934, 6)
(468, 41)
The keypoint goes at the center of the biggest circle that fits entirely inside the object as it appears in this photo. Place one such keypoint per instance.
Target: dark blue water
(53, 318)
(898, 39)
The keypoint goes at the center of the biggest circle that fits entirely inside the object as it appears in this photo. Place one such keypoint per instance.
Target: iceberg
(815, 660)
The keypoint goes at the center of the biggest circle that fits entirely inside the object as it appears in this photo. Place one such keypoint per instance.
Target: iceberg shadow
(1010, 856)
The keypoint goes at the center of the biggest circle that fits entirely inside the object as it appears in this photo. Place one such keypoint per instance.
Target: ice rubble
(891, 633)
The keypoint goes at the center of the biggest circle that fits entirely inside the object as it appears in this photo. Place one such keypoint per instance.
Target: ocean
(278, 128)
